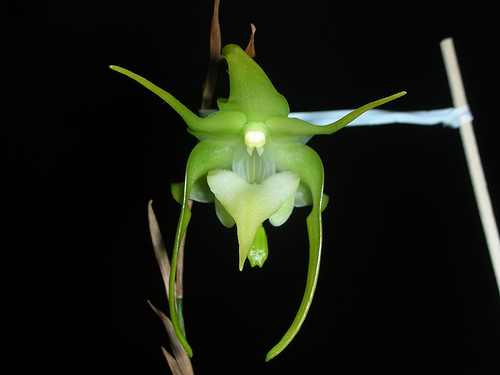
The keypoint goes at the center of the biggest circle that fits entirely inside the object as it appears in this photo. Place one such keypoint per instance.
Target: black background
(406, 285)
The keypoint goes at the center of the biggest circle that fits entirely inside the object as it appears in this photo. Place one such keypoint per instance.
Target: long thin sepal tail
(200, 162)
(302, 159)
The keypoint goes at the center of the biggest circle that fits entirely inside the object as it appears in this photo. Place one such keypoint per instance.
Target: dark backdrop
(406, 284)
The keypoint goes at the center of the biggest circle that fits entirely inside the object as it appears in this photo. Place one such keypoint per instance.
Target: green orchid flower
(252, 161)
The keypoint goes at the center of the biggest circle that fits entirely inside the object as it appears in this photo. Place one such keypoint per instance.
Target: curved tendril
(202, 159)
(302, 159)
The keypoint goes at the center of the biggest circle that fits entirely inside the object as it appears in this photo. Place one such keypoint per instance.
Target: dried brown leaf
(214, 59)
(172, 363)
(181, 356)
(159, 246)
(250, 50)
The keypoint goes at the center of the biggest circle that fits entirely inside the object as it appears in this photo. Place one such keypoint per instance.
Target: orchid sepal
(304, 160)
(202, 159)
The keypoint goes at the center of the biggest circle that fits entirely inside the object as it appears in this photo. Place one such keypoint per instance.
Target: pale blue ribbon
(451, 117)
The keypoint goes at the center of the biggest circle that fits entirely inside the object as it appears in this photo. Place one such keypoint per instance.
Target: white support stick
(472, 156)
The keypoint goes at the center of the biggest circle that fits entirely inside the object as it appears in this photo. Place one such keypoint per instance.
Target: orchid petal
(224, 217)
(282, 215)
(177, 190)
(303, 197)
(200, 192)
(288, 130)
(225, 124)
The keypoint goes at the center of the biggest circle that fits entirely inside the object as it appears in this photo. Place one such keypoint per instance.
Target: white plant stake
(472, 156)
